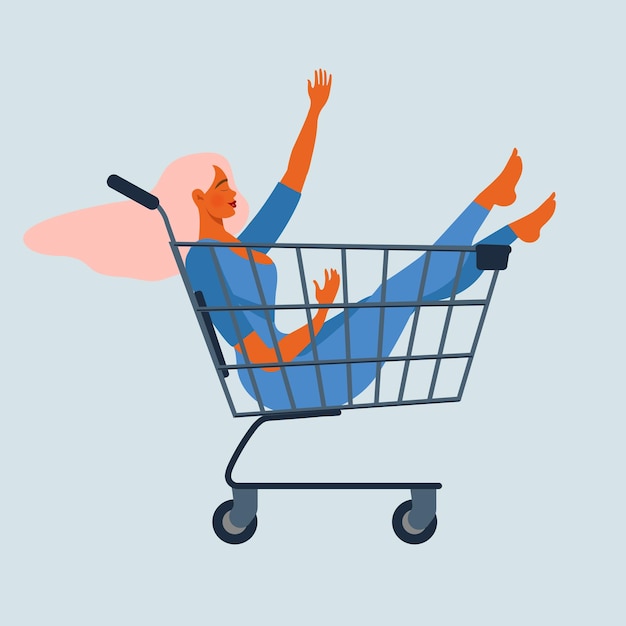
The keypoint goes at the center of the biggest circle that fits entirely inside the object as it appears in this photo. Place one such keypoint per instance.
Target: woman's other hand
(327, 293)
(320, 89)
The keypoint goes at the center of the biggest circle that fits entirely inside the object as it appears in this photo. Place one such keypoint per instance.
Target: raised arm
(274, 215)
(302, 152)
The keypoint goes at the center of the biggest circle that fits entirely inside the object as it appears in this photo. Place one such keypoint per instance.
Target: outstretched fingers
(319, 90)
(322, 78)
(327, 293)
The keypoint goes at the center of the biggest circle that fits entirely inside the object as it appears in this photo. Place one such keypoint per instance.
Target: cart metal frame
(415, 520)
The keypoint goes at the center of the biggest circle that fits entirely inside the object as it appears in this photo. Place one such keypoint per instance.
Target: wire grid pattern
(404, 386)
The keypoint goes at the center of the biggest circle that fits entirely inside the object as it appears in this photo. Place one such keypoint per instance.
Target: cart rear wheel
(224, 528)
(405, 531)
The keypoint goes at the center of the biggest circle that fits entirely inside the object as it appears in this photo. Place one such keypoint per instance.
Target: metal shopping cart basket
(426, 364)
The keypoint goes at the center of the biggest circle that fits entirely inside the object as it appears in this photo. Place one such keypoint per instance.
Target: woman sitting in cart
(258, 341)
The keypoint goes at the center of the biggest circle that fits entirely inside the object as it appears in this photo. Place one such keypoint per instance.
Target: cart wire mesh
(429, 363)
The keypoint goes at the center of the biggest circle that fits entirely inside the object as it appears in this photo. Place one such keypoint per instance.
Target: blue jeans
(364, 323)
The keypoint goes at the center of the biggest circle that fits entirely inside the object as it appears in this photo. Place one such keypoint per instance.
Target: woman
(257, 340)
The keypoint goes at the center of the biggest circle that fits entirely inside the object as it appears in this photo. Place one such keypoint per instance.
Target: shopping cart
(426, 365)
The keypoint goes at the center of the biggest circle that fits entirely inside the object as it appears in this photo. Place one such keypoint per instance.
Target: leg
(364, 323)
(461, 232)
(527, 229)
(360, 329)
(469, 272)
(358, 336)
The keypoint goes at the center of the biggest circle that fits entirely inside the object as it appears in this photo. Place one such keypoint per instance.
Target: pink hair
(126, 239)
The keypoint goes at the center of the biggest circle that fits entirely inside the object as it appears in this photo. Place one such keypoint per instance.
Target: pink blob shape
(126, 239)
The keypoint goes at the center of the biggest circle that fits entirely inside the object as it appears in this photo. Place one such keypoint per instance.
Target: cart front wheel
(226, 530)
(405, 531)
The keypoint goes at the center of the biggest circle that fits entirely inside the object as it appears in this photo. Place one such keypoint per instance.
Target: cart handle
(133, 192)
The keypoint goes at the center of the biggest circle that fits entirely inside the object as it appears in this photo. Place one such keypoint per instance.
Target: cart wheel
(225, 530)
(405, 531)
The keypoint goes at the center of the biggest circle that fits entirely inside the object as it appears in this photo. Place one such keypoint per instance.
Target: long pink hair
(126, 239)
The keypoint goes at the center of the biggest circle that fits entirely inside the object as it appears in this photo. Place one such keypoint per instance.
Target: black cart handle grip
(132, 191)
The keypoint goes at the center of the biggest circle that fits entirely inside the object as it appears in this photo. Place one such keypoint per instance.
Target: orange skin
(502, 192)
(218, 202)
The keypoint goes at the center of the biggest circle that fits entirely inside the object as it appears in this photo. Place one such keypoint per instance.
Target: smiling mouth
(233, 203)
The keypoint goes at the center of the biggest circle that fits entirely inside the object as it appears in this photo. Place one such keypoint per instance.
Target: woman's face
(219, 200)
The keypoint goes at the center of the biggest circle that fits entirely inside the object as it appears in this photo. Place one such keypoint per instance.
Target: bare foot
(529, 227)
(502, 190)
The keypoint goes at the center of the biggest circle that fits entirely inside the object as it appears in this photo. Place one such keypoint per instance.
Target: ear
(198, 197)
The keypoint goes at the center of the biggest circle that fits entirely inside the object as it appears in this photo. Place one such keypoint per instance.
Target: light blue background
(114, 434)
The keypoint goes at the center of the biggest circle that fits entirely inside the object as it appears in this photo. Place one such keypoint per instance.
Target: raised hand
(320, 89)
(302, 151)
(327, 293)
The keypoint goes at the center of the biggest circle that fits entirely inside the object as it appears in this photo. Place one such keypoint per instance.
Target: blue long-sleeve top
(239, 280)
